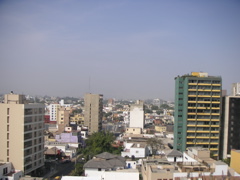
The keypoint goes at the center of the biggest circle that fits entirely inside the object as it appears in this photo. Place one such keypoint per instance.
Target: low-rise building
(160, 128)
(235, 160)
(7, 172)
(133, 130)
(137, 150)
(108, 166)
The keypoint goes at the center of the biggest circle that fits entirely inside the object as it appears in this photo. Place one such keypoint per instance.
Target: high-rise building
(53, 111)
(93, 106)
(21, 132)
(197, 111)
(236, 89)
(230, 125)
(63, 119)
(137, 115)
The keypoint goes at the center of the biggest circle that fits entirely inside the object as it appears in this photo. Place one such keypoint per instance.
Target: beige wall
(235, 159)
(134, 130)
(13, 130)
(93, 112)
(160, 128)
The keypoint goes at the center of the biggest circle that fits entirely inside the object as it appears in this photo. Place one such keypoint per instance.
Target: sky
(122, 49)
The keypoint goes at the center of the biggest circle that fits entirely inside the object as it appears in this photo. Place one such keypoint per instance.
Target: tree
(148, 111)
(119, 106)
(159, 112)
(77, 111)
(155, 144)
(78, 171)
(227, 161)
(99, 142)
(154, 107)
(164, 106)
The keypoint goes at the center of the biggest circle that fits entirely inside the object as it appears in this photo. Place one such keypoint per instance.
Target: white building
(137, 115)
(53, 111)
(138, 150)
(236, 89)
(108, 167)
(6, 172)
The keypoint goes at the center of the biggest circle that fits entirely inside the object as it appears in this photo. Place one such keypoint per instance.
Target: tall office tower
(93, 105)
(21, 132)
(197, 111)
(230, 125)
(236, 89)
(137, 115)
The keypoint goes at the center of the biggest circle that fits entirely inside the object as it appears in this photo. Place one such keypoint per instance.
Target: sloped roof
(106, 155)
(52, 151)
(105, 161)
(175, 153)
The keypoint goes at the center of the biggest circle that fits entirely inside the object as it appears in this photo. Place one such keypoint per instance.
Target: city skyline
(124, 50)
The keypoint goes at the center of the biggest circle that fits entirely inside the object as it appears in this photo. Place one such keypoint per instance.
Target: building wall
(93, 106)
(160, 128)
(22, 137)
(109, 175)
(235, 159)
(134, 130)
(53, 110)
(230, 125)
(197, 112)
(137, 116)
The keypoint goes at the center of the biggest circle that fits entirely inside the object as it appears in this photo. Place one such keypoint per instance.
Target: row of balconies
(202, 131)
(205, 84)
(202, 125)
(215, 120)
(202, 137)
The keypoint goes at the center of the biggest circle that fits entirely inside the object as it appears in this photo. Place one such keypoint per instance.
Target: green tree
(99, 142)
(77, 111)
(227, 161)
(148, 111)
(159, 112)
(119, 106)
(164, 106)
(154, 107)
(78, 171)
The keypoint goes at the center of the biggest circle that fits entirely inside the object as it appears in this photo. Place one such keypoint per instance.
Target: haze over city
(121, 49)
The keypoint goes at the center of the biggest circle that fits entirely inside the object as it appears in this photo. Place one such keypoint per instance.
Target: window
(8, 109)
(7, 144)
(7, 127)
(7, 136)
(99, 169)
(5, 171)
(8, 152)
(8, 119)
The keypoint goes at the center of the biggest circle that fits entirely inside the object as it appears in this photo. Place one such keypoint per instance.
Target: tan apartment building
(93, 105)
(63, 117)
(21, 132)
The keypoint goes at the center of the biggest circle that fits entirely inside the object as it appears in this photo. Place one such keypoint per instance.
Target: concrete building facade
(137, 115)
(236, 89)
(230, 125)
(93, 106)
(53, 111)
(197, 111)
(22, 133)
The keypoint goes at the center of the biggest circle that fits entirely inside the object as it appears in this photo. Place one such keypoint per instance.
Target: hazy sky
(125, 49)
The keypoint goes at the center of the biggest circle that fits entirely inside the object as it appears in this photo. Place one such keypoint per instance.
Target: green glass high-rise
(197, 111)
